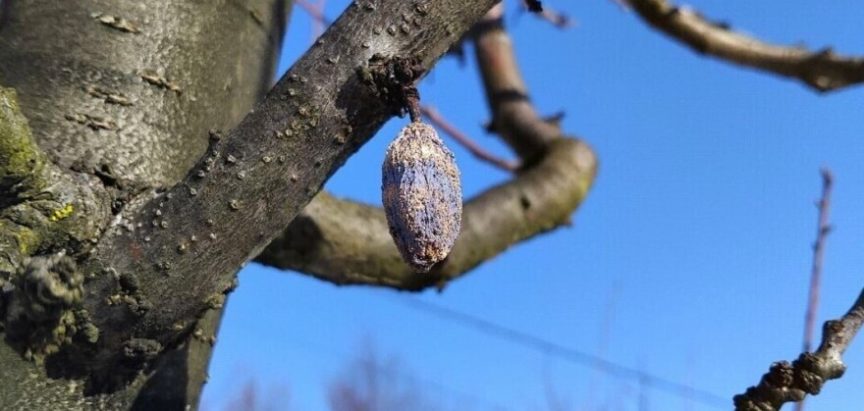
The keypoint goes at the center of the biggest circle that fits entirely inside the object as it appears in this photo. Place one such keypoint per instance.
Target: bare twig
(823, 227)
(303, 134)
(554, 17)
(320, 24)
(822, 230)
(316, 13)
(439, 121)
(822, 70)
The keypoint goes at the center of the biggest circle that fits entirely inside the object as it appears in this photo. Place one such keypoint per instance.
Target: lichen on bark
(21, 160)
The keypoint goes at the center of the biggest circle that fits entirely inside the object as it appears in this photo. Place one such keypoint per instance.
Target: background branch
(479, 152)
(513, 116)
(553, 17)
(823, 227)
(348, 243)
(822, 70)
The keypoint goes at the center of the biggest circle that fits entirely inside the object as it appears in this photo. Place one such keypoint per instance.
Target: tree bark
(75, 64)
(118, 306)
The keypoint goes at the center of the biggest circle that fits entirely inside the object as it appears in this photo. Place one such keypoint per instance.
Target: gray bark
(120, 96)
(75, 60)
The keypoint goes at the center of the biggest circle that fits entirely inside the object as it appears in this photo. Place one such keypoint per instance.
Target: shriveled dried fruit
(422, 196)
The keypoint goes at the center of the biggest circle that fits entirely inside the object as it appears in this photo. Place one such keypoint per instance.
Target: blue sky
(689, 260)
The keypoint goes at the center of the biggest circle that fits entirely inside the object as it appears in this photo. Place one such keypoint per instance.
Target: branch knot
(393, 79)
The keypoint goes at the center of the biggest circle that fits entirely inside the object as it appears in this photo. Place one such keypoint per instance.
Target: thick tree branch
(183, 246)
(95, 71)
(822, 70)
(348, 243)
(787, 382)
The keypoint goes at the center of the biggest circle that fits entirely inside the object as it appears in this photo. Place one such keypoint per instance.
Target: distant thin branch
(554, 17)
(822, 70)
(823, 227)
(439, 121)
(822, 231)
(316, 13)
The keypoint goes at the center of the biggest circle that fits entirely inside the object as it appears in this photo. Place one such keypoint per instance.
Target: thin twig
(316, 13)
(556, 18)
(823, 227)
(319, 24)
(439, 121)
(822, 231)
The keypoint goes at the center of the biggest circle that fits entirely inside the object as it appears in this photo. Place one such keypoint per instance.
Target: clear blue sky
(690, 259)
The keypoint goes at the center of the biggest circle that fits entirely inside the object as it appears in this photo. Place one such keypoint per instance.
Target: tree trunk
(87, 74)
(125, 213)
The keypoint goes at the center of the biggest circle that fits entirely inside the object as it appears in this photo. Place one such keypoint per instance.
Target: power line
(569, 354)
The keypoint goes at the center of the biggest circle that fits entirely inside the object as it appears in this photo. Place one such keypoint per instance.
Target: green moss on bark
(20, 157)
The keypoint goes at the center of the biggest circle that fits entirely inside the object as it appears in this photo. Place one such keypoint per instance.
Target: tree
(117, 256)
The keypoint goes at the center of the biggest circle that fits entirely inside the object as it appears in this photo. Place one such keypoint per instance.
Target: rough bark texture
(184, 245)
(348, 243)
(136, 103)
(120, 97)
(88, 75)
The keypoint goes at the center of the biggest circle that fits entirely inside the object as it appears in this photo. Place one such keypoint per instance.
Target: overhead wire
(566, 353)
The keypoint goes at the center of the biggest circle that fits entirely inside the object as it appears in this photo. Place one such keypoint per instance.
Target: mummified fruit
(422, 196)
